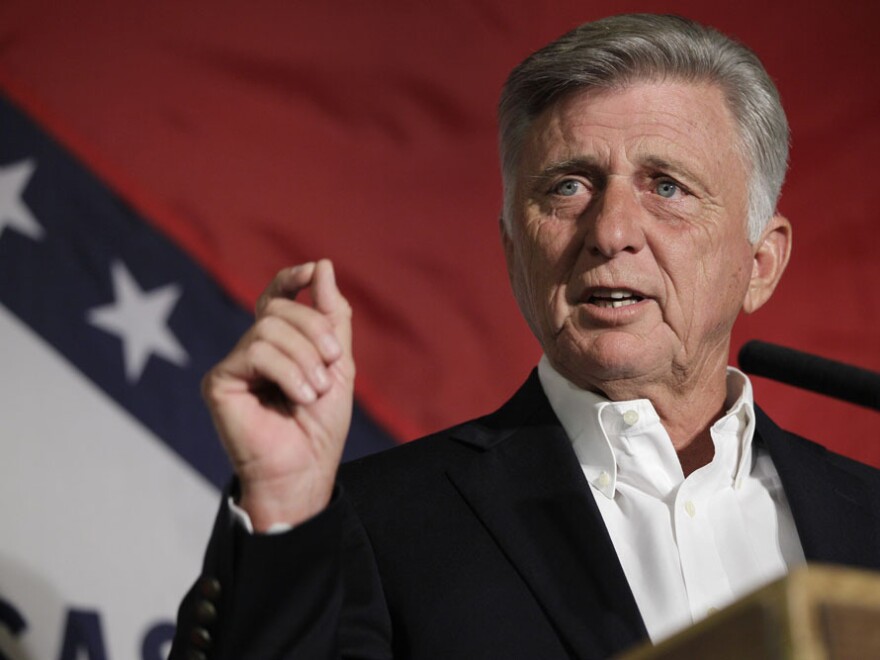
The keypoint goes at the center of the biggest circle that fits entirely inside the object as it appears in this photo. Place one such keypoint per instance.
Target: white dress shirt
(688, 546)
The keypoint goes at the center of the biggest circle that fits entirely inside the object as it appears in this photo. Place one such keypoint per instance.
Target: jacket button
(209, 587)
(205, 612)
(200, 638)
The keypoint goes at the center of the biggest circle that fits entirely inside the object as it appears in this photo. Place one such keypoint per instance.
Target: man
(630, 487)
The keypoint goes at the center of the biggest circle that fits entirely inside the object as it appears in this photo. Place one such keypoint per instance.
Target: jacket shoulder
(783, 443)
(420, 465)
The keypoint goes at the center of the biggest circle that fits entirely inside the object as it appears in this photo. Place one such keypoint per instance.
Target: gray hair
(618, 51)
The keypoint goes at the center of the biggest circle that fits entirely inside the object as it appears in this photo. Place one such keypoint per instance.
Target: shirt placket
(706, 581)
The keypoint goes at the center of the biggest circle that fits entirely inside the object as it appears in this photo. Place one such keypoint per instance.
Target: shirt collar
(599, 429)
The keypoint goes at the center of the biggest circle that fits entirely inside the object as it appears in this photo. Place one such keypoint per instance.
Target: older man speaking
(631, 486)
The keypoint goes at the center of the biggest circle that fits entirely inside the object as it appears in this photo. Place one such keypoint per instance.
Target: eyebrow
(582, 164)
(593, 168)
(677, 169)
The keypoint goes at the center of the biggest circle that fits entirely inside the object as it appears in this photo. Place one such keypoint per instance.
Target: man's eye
(667, 189)
(568, 188)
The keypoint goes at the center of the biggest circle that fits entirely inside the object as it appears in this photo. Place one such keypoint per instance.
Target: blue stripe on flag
(119, 300)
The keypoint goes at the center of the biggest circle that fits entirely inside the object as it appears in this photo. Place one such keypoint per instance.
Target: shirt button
(630, 417)
(712, 610)
(690, 508)
(603, 479)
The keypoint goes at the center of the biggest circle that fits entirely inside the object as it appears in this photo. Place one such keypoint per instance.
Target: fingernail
(330, 347)
(307, 394)
(321, 379)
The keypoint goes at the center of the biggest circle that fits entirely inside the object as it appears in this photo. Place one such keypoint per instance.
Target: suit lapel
(829, 503)
(528, 490)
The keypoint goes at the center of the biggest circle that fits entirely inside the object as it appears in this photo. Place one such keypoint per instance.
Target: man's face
(627, 248)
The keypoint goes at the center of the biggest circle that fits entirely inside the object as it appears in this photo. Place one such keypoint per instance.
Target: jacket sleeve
(311, 592)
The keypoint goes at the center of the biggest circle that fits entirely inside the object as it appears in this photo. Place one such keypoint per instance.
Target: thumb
(329, 300)
(325, 294)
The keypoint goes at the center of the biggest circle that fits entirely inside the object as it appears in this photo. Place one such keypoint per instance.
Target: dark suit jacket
(481, 541)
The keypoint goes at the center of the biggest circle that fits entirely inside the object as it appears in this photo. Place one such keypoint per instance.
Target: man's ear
(770, 258)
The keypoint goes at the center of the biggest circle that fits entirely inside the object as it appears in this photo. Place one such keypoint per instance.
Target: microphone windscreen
(811, 372)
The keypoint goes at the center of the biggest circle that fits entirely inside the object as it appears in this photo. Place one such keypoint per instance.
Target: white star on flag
(13, 211)
(139, 318)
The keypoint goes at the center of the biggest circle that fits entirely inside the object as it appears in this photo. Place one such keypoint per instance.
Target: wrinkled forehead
(645, 120)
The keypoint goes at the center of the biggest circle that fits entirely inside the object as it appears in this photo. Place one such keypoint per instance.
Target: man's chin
(606, 358)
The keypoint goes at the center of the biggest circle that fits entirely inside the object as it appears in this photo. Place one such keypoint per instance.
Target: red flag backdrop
(258, 135)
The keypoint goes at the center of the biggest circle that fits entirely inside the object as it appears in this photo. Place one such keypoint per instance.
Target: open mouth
(614, 298)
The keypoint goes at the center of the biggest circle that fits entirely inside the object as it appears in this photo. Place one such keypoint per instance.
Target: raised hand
(282, 399)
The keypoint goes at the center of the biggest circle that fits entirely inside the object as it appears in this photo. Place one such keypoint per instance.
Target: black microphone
(811, 372)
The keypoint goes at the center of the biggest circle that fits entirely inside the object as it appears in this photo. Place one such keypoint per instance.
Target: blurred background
(159, 162)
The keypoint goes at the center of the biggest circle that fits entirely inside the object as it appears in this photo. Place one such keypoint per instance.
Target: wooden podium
(814, 613)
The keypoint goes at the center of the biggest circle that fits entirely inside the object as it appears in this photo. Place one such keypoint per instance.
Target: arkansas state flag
(110, 466)
(105, 328)
(159, 162)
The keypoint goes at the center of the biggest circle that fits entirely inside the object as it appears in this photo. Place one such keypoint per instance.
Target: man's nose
(616, 225)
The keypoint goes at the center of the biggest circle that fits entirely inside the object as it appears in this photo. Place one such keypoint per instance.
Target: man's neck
(687, 407)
